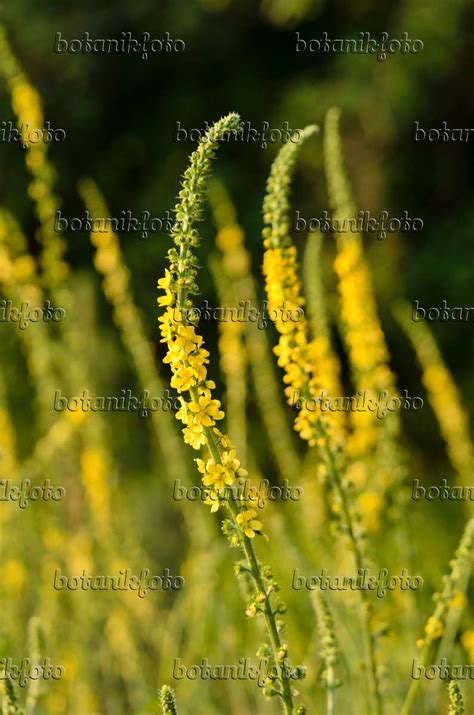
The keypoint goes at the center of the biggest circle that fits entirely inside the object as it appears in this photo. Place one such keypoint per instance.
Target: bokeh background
(120, 114)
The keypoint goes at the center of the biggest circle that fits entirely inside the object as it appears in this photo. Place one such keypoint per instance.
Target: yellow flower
(94, 476)
(26, 104)
(107, 259)
(77, 418)
(212, 500)
(24, 268)
(166, 299)
(14, 576)
(459, 600)
(194, 436)
(184, 379)
(347, 259)
(370, 507)
(205, 411)
(467, 640)
(434, 628)
(188, 357)
(229, 238)
(231, 463)
(248, 523)
(216, 476)
(166, 282)
(178, 351)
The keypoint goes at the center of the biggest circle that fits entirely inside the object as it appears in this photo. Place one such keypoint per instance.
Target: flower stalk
(200, 411)
(309, 368)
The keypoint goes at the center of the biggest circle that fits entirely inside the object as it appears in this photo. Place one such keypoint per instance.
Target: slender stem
(330, 681)
(348, 523)
(254, 569)
(269, 614)
(414, 683)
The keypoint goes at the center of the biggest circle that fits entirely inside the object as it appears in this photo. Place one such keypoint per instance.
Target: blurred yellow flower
(370, 506)
(434, 628)
(53, 539)
(229, 238)
(459, 600)
(14, 576)
(24, 268)
(94, 473)
(467, 640)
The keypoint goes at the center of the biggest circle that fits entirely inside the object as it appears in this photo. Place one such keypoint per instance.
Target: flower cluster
(309, 365)
(186, 354)
(442, 392)
(26, 104)
(200, 412)
(362, 330)
(107, 260)
(371, 445)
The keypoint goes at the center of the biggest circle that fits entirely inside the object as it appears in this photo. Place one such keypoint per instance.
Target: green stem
(330, 691)
(414, 684)
(254, 569)
(348, 523)
(269, 614)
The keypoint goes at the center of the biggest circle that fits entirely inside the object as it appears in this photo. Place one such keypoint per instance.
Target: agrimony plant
(309, 367)
(199, 411)
(372, 444)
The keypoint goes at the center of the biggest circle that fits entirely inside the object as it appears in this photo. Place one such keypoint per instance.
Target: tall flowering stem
(200, 411)
(461, 567)
(307, 364)
(442, 391)
(308, 369)
(373, 444)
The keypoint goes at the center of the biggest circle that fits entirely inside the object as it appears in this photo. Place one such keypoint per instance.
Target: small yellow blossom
(247, 522)
(434, 628)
